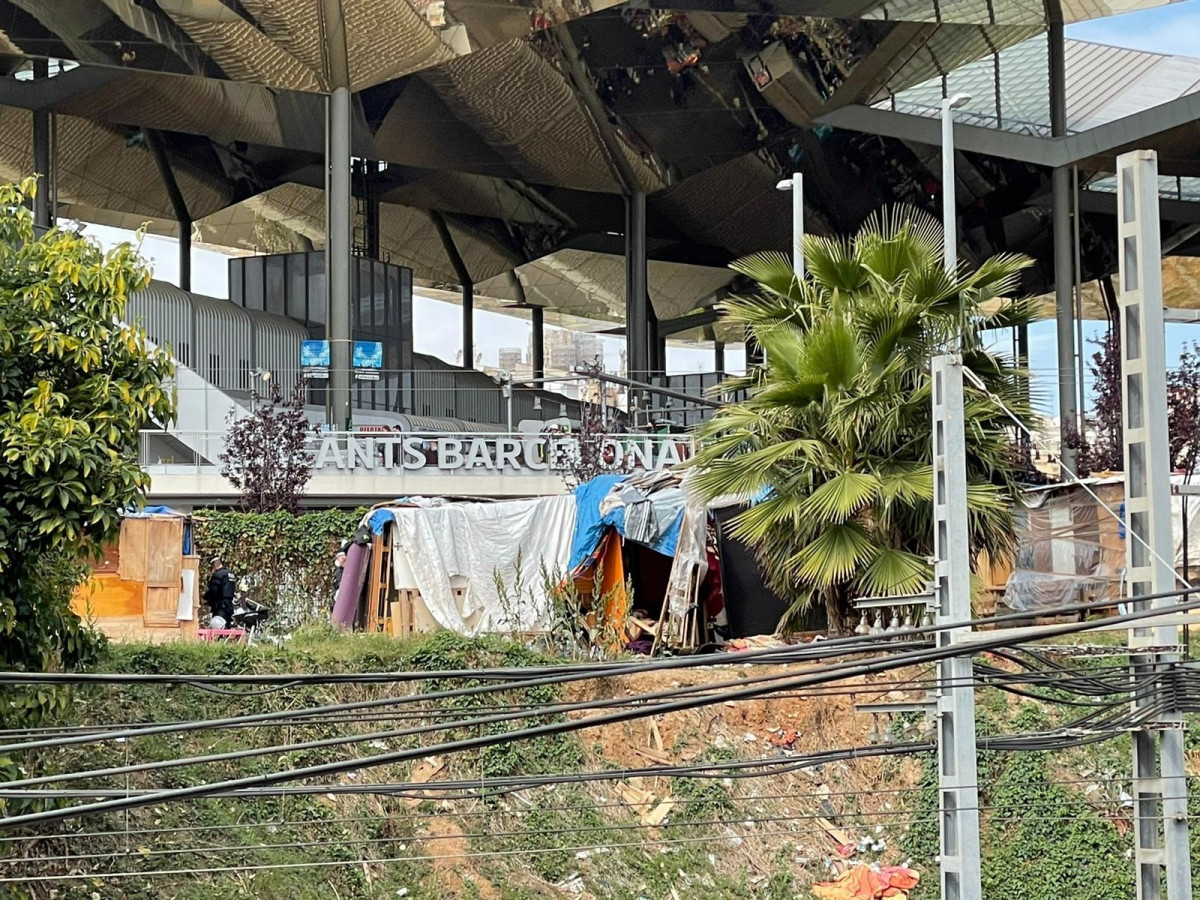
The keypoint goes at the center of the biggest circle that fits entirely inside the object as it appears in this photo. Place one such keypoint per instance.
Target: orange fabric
(608, 560)
(864, 883)
(612, 580)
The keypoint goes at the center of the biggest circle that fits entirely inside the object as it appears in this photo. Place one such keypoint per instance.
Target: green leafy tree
(76, 386)
(834, 435)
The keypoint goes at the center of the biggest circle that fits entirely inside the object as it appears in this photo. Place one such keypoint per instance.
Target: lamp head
(785, 185)
(958, 101)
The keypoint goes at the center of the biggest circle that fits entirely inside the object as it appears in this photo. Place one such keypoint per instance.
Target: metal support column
(41, 154)
(957, 779)
(337, 250)
(337, 213)
(468, 323)
(719, 357)
(467, 285)
(178, 206)
(1159, 782)
(537, 349)
(637, 318)
(1064, 255)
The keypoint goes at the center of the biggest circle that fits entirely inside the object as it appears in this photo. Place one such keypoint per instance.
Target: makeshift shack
(146, 586)
(472, 567)
(1072, 549)
(639, 554)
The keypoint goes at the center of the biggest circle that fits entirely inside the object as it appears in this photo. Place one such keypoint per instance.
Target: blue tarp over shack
(591, 524)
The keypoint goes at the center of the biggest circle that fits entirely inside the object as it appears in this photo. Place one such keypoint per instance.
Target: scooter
(248, 614)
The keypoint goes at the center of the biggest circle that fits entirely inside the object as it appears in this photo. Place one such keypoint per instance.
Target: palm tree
(835, 434)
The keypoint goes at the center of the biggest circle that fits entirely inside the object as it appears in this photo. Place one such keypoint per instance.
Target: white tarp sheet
(480, 542)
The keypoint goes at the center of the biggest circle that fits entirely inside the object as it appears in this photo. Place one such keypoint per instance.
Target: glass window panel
(393, 297)
(254, 282)
(275, 302)
(362, 290)
(316, 288)
(378, 294)
(297, 287)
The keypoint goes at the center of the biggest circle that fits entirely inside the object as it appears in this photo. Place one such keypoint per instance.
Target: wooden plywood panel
(162, 603)
(164, 553)
(110, 561)
(135, 534)
(106, 596)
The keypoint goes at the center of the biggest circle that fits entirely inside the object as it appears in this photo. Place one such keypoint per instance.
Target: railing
(462, 394)
(383, 452)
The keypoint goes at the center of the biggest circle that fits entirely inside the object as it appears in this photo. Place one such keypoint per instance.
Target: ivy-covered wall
(289, 557)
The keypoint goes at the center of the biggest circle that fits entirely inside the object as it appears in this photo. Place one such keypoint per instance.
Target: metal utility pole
(795, 184)
(949, 184)
(1159, 781)
(958, 789)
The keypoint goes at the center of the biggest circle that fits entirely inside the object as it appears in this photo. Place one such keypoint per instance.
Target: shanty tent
(146, 587)
(1072, 543)
(474, 567)
(626, 543)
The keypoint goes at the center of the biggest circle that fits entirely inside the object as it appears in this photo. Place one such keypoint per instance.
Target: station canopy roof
(523, 125)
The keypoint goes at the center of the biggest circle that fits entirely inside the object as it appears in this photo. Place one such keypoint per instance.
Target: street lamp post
(795, 184)
(257, 374)
(949, 211)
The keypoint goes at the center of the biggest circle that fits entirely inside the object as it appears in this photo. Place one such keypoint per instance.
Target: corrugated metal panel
(166, 313)
(223, 342)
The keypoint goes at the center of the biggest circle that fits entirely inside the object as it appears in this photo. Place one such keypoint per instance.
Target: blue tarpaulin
(590, 525)
(378, 519)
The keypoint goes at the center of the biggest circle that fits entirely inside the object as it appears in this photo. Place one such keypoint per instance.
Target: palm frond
(832, 264)
(773, 271)
(833, 556)
(842, 496)
(1014, 313)
(894, 571)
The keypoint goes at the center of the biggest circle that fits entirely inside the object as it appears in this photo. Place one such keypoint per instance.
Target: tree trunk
(839, 614)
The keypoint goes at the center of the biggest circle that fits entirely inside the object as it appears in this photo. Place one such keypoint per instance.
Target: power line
(339, 740)
(830, 673)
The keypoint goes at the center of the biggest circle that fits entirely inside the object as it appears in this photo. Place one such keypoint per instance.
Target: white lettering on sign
(487, 454)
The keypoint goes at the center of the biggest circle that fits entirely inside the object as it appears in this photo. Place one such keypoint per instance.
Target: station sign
(501, 454)
(314, 359)
(368, 360)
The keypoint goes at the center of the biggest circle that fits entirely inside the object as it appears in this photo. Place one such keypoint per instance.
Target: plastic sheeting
(648, 509)
(1070, 547)
(590, 521)
(510, 542)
